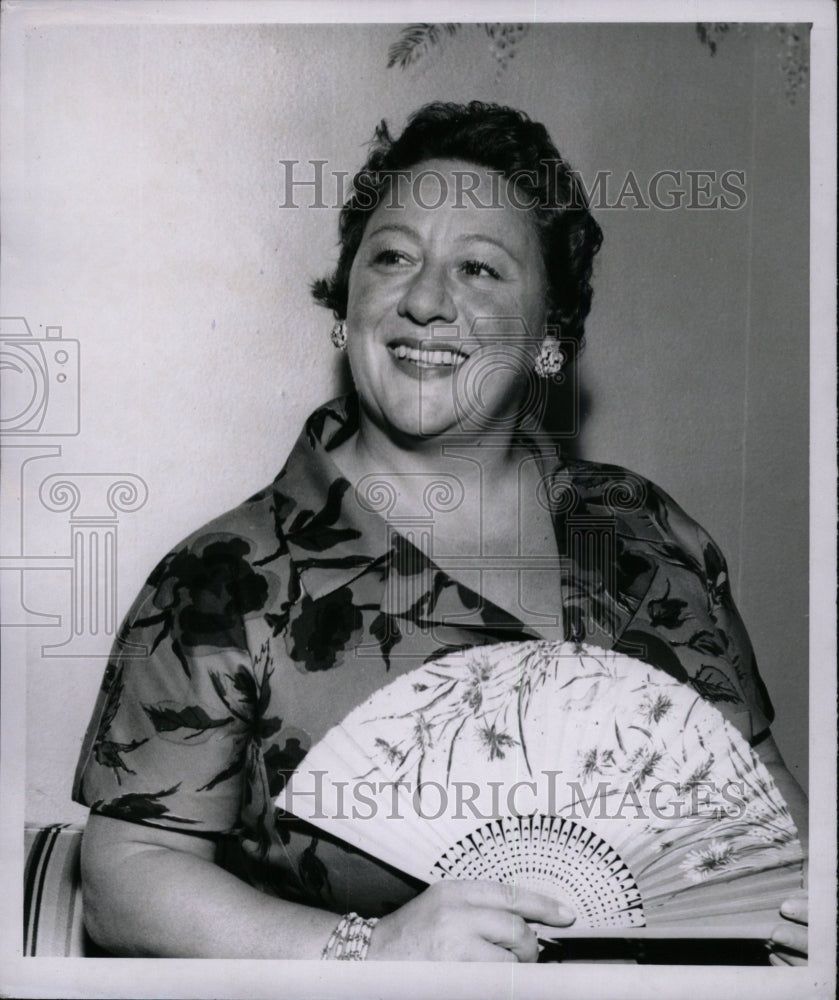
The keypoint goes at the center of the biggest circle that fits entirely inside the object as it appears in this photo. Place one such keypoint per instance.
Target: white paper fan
(581, 773)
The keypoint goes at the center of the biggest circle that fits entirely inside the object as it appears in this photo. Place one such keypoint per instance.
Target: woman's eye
(478, 269)
(389, 257)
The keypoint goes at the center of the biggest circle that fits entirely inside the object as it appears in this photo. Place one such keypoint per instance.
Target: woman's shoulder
(231, 568)
(244, 552)
(643, 509)
(247, 532)
(611, 485)
(601, 478)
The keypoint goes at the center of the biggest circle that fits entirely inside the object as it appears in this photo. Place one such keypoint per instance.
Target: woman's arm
(150, 891)
(155, 892)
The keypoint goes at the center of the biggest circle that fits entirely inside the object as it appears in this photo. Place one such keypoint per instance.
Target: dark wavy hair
(503, 140)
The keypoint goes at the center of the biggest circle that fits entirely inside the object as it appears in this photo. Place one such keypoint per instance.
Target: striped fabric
(52, 891)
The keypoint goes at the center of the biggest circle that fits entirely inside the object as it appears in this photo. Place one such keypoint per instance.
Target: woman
(418, 515)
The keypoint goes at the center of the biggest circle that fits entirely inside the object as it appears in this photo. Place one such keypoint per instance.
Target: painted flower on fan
(589, 764)
(654, 709)
(422, 731)
(701, 864)
(479, 673)
(642, 764)
(771, 826)
(497, 743)
(595, 761)
(391, 752)
(699, 775)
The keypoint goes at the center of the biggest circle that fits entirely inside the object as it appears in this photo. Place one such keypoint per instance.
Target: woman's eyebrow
(397, 227)
(464, 238)
(483, 238)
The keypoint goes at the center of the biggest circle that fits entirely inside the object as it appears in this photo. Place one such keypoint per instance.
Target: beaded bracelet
(350, 940)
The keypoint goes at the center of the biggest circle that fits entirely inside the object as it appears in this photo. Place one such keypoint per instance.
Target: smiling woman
(417, 272)
(427, 513)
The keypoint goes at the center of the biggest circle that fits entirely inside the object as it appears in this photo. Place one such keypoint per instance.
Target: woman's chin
(409, 425)
(409, 418)
(427, 428)
(423, 411)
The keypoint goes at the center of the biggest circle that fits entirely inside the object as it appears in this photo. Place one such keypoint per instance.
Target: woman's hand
(467, 921)
(788, 943)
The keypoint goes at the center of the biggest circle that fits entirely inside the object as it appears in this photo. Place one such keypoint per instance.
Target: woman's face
(447, 304)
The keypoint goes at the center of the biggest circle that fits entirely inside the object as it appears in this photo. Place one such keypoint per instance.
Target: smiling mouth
(428, 359)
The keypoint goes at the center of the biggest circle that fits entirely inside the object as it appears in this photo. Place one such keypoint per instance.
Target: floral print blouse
(270, 624)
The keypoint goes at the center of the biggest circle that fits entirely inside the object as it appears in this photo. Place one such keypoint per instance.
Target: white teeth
(423, 357)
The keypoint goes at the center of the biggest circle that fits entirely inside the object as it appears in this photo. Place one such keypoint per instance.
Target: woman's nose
(427, 298)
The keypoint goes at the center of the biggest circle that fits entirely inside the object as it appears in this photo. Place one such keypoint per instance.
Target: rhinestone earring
(550, 359)
(339, 335)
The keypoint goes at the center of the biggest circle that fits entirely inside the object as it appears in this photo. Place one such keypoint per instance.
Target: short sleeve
(687, 621)
(737, 648)
(169, 740)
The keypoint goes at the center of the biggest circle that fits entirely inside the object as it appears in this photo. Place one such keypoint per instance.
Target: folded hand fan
(580, 773)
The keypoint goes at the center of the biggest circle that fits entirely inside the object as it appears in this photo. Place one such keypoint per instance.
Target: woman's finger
(486, 951)
(509, 931)
(794, 959)
(796, 908)
(526, 903)
(791, 937)
(786, 958)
